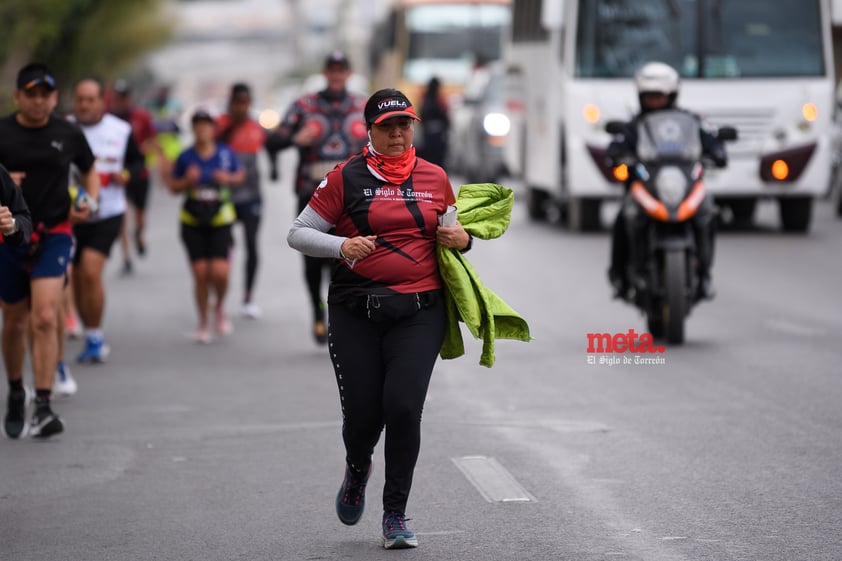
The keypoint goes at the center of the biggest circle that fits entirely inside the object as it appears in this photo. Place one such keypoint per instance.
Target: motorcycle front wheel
(655, 323)
(674, 306)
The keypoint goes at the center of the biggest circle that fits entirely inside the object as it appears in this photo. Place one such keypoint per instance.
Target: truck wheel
(796, 213)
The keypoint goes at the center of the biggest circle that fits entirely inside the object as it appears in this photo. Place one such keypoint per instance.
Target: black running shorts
(99, 236)
(137, 192)
(207, 242)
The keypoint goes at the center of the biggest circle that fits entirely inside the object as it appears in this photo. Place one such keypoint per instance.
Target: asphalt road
(730, 450)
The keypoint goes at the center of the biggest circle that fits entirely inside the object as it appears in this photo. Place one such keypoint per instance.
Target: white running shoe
(251, 310)
(223, 325)
(202, 336)
(64, 384)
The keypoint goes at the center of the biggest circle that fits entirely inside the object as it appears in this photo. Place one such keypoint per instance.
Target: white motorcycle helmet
(657, 77)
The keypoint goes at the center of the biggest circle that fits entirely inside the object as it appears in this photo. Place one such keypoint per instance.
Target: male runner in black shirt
(38, 148)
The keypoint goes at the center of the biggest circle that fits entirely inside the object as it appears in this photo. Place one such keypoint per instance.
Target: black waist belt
(393, 306)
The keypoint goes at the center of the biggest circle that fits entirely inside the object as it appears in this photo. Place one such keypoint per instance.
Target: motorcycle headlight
(496, 124)
(671, 185)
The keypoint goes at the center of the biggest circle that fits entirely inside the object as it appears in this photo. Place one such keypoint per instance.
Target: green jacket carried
(484, 210)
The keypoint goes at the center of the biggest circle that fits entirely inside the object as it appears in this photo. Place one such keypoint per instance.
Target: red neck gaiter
(394, 169)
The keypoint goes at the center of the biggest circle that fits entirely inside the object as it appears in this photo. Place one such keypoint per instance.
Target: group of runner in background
(86, 178)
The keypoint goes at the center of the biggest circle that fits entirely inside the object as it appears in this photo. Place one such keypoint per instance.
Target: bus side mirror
(615, 127)
(727, 133)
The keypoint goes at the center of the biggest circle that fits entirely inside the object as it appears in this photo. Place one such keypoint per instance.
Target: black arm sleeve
(281, 137)
(12, 197)
(276, 142)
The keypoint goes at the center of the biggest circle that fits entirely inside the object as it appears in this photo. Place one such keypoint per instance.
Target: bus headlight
(591, 113)
(786, 165)
(780, 170)
(496, 124)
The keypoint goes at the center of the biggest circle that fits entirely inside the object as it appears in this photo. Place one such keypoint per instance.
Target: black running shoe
(350, 501)
(45, 423)
(138, 240)
(705, 290)
(15, 422)
(396, 535)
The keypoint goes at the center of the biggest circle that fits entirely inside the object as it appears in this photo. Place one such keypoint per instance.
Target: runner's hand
(7, 220)
(358, 247)
(453, 236)
(79, 213)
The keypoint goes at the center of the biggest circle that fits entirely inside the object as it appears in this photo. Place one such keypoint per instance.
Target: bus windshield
(700, 38)
(447, 40)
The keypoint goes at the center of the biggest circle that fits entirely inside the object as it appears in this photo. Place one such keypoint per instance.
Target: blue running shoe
(96, 350)
(395, 533)
(350, 501)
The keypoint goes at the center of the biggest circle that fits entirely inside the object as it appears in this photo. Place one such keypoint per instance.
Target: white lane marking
(556, 425)
(793, 328)
(492, 480)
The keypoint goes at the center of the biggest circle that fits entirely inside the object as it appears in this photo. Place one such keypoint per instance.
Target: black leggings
(314, 270)
(249, 215)
(383, 371)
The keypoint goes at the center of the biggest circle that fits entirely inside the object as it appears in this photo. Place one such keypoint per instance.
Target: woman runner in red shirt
(377, 213)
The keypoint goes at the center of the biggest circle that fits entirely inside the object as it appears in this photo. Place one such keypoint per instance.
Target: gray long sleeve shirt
(309, 235)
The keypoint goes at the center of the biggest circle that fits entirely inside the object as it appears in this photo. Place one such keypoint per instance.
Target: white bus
(420, 39)
(763, 66)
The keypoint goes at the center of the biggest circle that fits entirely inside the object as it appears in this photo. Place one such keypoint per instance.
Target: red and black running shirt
(403, 217)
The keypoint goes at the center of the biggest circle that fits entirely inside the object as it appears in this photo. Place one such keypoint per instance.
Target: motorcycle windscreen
(669, 135)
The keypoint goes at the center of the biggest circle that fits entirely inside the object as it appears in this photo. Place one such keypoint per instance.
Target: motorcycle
(666, 181)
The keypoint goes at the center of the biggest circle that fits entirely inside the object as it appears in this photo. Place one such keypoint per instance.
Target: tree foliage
(79, 38)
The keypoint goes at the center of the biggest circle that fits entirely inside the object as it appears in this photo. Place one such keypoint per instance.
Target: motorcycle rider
(657, 88)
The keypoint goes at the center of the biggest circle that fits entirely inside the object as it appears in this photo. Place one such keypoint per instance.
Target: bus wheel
(536, 203)
(795, 213)
(742, 211)
(584, 214)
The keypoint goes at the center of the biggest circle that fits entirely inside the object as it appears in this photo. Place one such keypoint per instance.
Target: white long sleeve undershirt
(309, 235)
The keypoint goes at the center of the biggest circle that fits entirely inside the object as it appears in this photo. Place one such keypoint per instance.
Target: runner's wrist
(13, 229)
